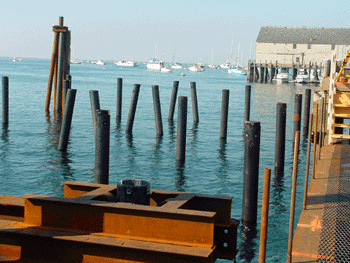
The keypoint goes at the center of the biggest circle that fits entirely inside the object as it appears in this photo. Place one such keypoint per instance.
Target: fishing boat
(302, 76)
(177, 65)
(154, 64)
(237, 70)
(76, 61)
(100, 62)
(225, 65)
(126, 63)
(199, 67)
(282, 76)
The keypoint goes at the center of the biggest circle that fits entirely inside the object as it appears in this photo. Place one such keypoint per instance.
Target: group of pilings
(251, 135)
(267, 72)
(59, 75)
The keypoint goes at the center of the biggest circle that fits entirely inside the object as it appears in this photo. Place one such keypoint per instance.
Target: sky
(188, 30)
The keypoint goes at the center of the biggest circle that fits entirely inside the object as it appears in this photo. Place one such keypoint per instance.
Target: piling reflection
(132, 149)
(4, 147)
(222, 156)
(172, 131)
(5, 133)
(180, 180)
(248, 246)
(277, 198)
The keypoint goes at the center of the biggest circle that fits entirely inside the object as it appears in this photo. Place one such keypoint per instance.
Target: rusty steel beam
(88, 225)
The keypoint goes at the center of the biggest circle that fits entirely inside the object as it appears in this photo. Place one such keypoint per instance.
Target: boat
(211, 65)
(199, 67)
(225, 65)
(165, 69)
(237, 70)
(282, 76)
(126, 63)
(100, 62)
(76, 61)
(16, 59)
(177, 66)
(302, 76)
(154, 64)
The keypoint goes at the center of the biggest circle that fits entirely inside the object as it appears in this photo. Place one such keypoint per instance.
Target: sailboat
(211, 65)
(175, 64)
(228, 64)
(238, 69)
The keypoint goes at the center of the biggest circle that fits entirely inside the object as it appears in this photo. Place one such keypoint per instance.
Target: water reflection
(277, 199)
(5, 139)
(222, 156)
(171, 131)
(194, 131)
(248, 245)
(180, 180)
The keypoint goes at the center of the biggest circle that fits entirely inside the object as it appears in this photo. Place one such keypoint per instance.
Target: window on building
(333, 46)
(308, 46)
(297, 59)
(294, 46)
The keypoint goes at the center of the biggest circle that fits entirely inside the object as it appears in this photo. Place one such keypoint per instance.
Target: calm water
(31, 163)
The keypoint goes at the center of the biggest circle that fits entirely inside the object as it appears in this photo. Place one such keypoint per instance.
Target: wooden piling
(95, 105)
(157, 110)
(67, 120)
(264, 215)
(315, 141)
(280, 141)
(224, 114)
(251, 172)
(173, 100)
(247, 97)
(102, 146)
(326, 68)
(293, 196)
(306, 112)
(194, 102)
(297, 113)
(60, 72)
(307, 169)
(119, 100)
(5, 100)
(132, 108)
(181, 130)
(262, 74)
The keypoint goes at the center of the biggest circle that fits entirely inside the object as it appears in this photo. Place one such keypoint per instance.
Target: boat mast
(212, 56)
(231, 50)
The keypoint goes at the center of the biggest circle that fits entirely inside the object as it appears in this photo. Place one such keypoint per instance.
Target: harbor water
(31, 163)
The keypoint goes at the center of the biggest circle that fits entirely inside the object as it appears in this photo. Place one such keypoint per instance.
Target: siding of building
(301, 45)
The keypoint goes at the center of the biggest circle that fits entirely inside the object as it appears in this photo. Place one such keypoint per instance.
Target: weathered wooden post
(5, 100)
(264, 215)
(132, 108)
(173, 100)
(224, 114)
(181, 130)
(326, 68)
(246, 117)
(67, 120)
(306, 112)
(251, 172)
(315, 141)
(307, 169)
(280, 141)
(60, 71)
(119, 99)
(297, 113)
(102, 147)
(157, 110)
(293, 196)
(194, 102)
(262, 73)
(95, 105)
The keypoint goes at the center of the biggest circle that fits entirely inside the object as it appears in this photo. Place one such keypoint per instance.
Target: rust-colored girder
(88, 225)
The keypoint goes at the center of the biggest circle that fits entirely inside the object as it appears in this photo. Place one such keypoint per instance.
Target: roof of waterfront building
(309, 35)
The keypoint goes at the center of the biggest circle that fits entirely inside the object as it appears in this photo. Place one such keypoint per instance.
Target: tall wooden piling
(224, 114)
(315, 141)
(67, 120)
(119, 100)
(194, 102)
(173, 100)
(293, 196)
(307, 169)
(247, 97)
(264, 215)
(95, 105)
(326, 68)
(102, 146)
(251, 172)
(157, 110)
(132, 108)
(5, 100)
(181, 130)
(280, 141)
(297, 113)
(262, 73)
(306, 112)
(60, 72)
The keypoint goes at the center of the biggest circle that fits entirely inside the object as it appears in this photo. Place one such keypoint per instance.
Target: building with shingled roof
(288, 45)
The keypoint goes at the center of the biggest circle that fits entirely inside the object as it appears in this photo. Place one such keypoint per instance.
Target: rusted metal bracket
(88, 225)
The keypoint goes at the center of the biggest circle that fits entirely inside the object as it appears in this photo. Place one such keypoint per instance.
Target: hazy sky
(130, 29)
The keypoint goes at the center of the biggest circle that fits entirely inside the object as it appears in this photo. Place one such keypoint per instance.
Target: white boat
(177, 66)
(126, 63)
(225, 65)
(16, 59)
(212, 66)
(302, 76)
(76, 61)
(199, 67)
(100, 62)
(165, 69)
(282, 75)
(237, 70)
(154, 64)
